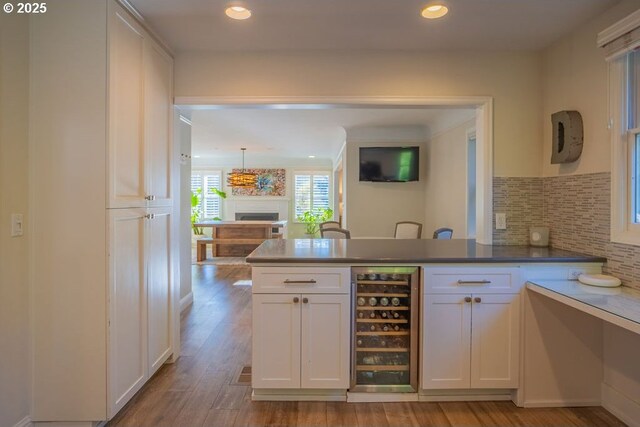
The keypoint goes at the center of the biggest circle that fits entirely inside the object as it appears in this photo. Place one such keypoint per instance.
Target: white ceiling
(366, 24)
(275, 137)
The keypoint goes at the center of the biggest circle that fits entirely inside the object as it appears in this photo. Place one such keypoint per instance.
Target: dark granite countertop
(409, 251)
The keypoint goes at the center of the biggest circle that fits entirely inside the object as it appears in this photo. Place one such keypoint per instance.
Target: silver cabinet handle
(290, 282)
(305, 300)
(296, 300)
(477, 299)
(150, 216)
(150, 197)
(467, 299)
(473, 282)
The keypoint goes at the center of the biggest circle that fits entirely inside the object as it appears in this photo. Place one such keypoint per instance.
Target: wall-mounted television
(389, 164)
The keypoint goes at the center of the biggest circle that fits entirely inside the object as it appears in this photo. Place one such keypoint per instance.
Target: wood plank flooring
(199, 390)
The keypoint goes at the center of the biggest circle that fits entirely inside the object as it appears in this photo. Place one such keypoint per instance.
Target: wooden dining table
(238, 238)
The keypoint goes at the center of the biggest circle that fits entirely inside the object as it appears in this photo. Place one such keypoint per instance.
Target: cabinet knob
(305, 300)
(296, 299)
(467, 299)
(477, 299)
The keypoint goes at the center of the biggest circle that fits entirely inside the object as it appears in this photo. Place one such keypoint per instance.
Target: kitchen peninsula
(333, 318)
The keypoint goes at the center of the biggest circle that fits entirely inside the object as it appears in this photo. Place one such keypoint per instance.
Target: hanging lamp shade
(242, 179)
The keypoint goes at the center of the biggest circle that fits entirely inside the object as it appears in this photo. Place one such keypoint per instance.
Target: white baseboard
(186, 302)
(25, 422)
(561, 403)
(621, 406)
(280, 395)
(464, 397)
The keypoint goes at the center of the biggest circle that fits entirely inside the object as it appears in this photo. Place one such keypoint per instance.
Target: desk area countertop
(241, 223)
(620, 306)
(405, 251)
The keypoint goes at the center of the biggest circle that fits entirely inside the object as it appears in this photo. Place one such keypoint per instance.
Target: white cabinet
(140, 338)
(470, 340)
(301, 339)
(140, 99)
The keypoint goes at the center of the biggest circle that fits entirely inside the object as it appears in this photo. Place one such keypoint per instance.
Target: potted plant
(196, 208)
(313, 218)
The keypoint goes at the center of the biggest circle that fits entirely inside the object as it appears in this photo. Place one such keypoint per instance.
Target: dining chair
(335, 233)
(329, 224)
(443, 233)
(408, 230)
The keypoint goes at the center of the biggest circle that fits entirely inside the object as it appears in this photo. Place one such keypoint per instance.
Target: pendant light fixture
(241, 179)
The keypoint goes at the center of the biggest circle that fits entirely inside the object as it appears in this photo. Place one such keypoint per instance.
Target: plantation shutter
(311, 192)
(209, 201)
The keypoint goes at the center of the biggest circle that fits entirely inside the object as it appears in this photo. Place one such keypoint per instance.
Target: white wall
(446, 181)
(14, 287)
(575, 78)
(513, 79)
(373, 208)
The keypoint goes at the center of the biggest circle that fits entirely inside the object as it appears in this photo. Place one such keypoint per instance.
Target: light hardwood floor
(198, 390)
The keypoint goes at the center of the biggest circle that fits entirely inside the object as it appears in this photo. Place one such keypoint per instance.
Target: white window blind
(209, 201)
(311, 191)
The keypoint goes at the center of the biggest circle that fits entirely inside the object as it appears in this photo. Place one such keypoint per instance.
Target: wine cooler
(385, 329)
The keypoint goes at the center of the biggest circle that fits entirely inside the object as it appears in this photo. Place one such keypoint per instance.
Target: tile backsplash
(576, 208)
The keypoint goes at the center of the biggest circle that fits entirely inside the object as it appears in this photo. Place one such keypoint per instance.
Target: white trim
(621, 406)
(381, 397)
(620, 28)
(621, 232)
(299, 395)
(25, 422)
(464, 397)
(186, 302)
(337, 159)
(131, 9)
(561, 403)
(484, 130)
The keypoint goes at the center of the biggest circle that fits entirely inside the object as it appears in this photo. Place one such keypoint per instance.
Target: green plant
(313, 219)
(196, 211)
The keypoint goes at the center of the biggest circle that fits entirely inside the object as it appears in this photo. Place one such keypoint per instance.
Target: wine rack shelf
(382, 367)
(384, 308)
(383, 282)
(364, 320)
(382, 333)
(382, 294)
(383, 350)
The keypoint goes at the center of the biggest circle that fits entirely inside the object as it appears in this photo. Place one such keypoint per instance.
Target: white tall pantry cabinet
(102, 217)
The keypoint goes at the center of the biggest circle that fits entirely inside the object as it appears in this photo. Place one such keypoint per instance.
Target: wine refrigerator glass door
(385, 329)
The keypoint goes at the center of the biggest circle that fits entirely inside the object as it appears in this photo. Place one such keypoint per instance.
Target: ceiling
(274, 136)
(366, 24)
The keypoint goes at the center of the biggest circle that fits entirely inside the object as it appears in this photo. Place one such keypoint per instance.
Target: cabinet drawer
(313, 280)
(471, 280)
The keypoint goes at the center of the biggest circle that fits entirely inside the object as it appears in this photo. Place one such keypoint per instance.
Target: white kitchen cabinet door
(495, 345)
(126, 158)
(127, 367)
(276, 341)
(159, 287)
(158, 114)
(325, 354)
(446, 341)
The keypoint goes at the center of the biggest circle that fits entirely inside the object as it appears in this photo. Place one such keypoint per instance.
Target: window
(621, 46)
(311, 191)
(205, 182)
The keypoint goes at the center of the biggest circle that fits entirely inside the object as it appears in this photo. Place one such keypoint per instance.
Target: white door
(158, 114)
(127, 367)
(446, 340)
(276, 341)
(495, 343)
(159, 286)
(325, 352)
(126, 133)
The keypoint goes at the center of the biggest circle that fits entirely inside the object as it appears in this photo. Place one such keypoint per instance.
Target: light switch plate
(17, 224)
(501, 221)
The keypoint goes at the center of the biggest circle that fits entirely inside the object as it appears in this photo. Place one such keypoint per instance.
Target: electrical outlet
(16, 225)
(501, 221)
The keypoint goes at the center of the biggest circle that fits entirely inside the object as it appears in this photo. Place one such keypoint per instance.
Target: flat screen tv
(389, 164)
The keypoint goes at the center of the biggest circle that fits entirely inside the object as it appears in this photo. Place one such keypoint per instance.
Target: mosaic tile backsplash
(576, 208)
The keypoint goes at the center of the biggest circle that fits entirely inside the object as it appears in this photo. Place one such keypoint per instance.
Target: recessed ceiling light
(238, 12)
(312, 157)
(435, 11)
(196, 157)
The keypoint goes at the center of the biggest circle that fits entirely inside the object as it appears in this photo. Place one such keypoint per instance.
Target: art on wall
(270, 182)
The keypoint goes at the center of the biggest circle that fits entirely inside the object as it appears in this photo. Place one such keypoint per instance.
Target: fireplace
(257, 216)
